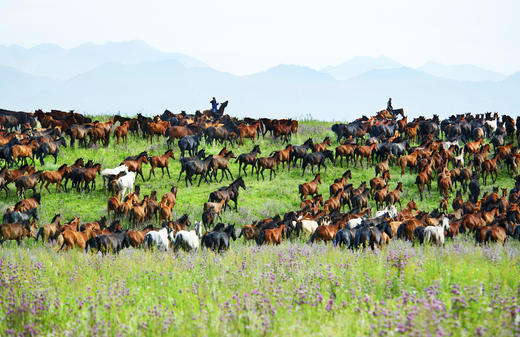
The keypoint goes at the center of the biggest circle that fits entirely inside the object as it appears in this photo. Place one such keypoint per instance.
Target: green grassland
(260, 199)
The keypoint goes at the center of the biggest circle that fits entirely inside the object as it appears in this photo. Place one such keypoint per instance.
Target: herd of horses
(468, 150)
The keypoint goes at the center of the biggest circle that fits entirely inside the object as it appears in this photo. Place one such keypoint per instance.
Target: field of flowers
(289, 290)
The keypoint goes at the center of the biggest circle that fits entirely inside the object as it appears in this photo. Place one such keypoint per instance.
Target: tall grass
(292, 289)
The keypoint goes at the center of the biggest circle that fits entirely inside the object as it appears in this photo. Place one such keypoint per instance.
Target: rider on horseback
(389, 106)
(214, 105)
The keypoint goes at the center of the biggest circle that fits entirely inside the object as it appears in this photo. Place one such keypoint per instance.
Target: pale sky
(241, 37)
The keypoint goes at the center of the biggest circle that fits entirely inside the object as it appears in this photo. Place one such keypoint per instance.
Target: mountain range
(132, 77)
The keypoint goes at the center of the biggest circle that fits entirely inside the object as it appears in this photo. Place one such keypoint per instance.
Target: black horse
(227, 193)
(300, 151)
(50, 148)
(246, 159)
(218, 241)
(21, 217)
(198, 167)
(199, 155)
(190, 144)
(317, 158)
(344, 237)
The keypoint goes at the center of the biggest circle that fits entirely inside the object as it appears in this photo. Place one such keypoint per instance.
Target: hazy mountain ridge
(150, 86)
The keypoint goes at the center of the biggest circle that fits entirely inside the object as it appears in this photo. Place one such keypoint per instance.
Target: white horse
(126, 183)
(458, 161)
(160, 239)
(113, 172)
(353, 223)
(436, 233)
(392, 212)
(446, 145)
(188, 241)
(491, 125)
(309, 226)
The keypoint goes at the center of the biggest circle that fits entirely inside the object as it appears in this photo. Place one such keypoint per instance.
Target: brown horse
(137, 236)
(73, 239)
(221, 162)
(472, 148)
(14, 175)
(138, 213)
(340, 183)
(265, 163)
(496, 233)
(382, 166)
(122, 132)
(326, 232)
(24, 151)
(364, 151)
(165, 210)
(310, 188)
(423, 179)
(136, 164)
(114, 203)
(333, 203)
(380, 196)
(28, 204)
(444, 183)
(283, 156)
(249, 131)
(170, 196)
(489, 167)
(320, 147)
(157, 128)
(27, 182)
(15, 231)
(394, 196)
(53, 177)
(274, 235)
(407, 160)
(51, 231)
(344, 150)
(161, 162)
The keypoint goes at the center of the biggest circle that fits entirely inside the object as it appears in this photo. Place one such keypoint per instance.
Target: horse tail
(147, 241)
(40, 233)
(336, 239)
(427, 236)
(487, 237)
(300, 190)
(62, 245)
(261, 238)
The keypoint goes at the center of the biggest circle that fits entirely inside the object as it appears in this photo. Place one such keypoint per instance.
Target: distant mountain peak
(461, 72)
(359, 65)
(51, 60)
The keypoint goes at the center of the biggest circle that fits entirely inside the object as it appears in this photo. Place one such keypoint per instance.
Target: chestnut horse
(310, 188)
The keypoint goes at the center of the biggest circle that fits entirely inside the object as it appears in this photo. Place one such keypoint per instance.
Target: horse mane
(183, 218)
(54, 218)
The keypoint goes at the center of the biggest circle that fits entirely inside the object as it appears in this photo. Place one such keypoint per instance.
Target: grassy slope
(260, 199)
